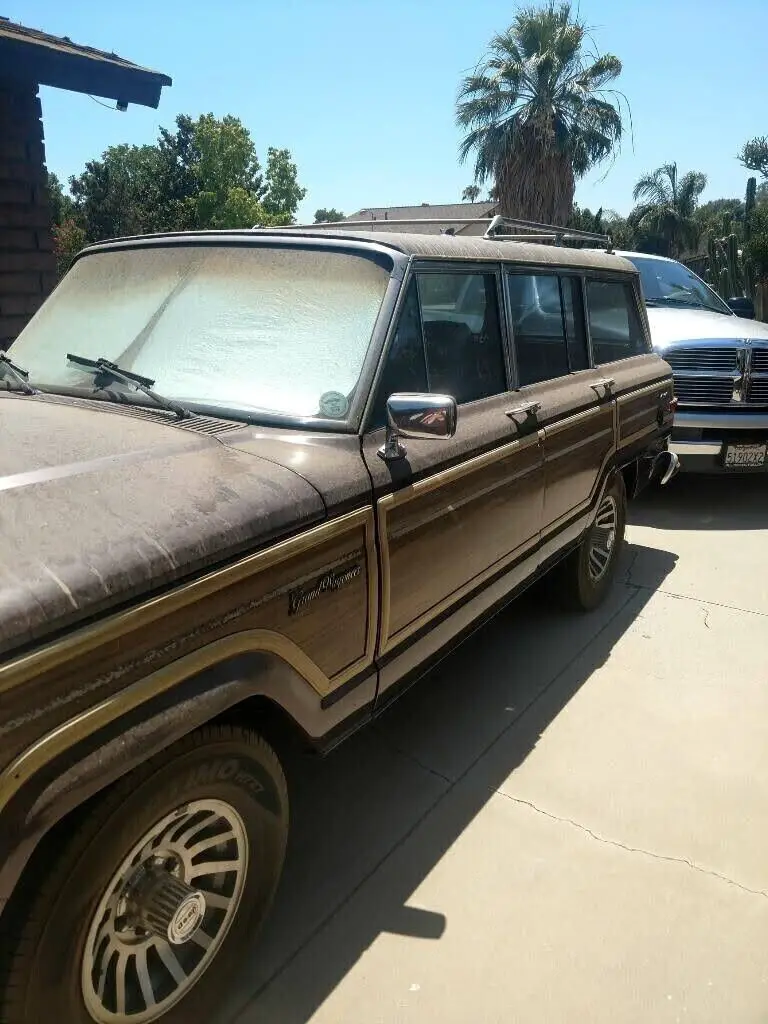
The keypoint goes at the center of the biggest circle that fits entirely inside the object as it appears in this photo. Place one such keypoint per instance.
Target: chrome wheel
(164, 914)
(602, 538)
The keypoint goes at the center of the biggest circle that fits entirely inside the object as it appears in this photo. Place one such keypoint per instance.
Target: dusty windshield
(672, 284)
(280, 331)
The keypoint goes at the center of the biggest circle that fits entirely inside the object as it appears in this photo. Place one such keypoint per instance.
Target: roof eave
(75, 72)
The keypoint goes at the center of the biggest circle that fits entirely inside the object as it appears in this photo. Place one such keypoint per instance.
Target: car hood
(669, 326)
(98, 506)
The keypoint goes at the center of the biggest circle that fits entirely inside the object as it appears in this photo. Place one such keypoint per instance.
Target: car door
(454, 516)
(621, 351)
(573, 407)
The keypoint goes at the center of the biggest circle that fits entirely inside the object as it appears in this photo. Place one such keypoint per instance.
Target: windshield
(668, 283)
(280, 331)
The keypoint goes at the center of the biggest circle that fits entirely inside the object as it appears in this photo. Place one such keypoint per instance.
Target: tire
(219, 783)
(579, 585)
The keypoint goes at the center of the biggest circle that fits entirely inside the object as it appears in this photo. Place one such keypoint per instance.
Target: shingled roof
(31, 55)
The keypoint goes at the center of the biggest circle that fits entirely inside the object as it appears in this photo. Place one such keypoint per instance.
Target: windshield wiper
(106, 373)
(674, 303)
(9, 369)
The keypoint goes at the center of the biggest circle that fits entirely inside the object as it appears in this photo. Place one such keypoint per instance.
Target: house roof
(439, 211)
(31, 55)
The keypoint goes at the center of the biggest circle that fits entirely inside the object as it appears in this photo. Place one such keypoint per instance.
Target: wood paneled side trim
(416, 490)
(250, 641)
(67, 735)
(80, 642)
(648, 429)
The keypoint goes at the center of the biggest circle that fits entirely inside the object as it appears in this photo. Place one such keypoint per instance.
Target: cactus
(732, 263)
(749, 278)
(749, 206)
(725, 273)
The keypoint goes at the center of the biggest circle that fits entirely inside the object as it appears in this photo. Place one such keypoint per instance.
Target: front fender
(84, 755)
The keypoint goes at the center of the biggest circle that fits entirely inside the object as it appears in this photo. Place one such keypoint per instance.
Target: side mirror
(427, 417)
(742, 307)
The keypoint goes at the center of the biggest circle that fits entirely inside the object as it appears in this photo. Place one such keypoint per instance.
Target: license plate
(747, 455)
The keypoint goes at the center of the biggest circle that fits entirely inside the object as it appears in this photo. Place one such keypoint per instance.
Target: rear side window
(462, 335)
(538, 327)
(614, 324)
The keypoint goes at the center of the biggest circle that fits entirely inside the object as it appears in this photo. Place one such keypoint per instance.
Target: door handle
(529, 409)
(606, 384)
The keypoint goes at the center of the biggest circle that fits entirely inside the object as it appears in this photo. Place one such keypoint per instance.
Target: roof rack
(500, 229)
(548, 232)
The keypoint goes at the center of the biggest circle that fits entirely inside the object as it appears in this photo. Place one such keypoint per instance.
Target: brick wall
(27, 263)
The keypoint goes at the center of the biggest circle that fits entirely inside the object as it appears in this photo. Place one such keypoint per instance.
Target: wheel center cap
(187, 919)
(609, 540)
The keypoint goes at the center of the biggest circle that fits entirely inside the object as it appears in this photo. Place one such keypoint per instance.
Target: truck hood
(669, 326)
(97, 507)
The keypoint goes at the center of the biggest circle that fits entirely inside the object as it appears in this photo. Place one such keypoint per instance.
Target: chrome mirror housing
(426, 417)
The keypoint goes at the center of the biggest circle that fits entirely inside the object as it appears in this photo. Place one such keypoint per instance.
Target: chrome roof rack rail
(499, 229)
(504, 229)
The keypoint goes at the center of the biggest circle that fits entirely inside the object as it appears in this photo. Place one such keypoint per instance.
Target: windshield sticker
(333, 405)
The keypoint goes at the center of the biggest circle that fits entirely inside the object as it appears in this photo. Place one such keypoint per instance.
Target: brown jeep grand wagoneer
(250, 475)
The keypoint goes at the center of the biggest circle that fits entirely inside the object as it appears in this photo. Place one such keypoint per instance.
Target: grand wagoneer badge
(334, 580)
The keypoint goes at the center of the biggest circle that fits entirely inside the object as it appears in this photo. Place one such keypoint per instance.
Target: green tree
(204, 174)
(328, 216)
(224, 173)
(282, 193)
(667, 206)
(68, 239)
(470, 194)
(537, 112)
(118, 194)
(61, 203)
(754, 155)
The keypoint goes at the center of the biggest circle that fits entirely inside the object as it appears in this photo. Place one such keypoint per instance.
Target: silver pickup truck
(720, 366)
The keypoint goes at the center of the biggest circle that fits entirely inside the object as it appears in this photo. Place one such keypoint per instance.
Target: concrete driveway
(566, 822)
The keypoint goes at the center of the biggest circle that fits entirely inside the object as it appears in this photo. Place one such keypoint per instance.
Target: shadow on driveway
(498, 692)
(705, 503)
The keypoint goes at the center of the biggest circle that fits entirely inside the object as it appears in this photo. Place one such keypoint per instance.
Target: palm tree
(470, 194)
(668, 205)
(537, 112)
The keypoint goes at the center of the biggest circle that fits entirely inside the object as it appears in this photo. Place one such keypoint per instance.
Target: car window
(249, 330)
(462, 335)
(669, 283)
(405, 368)
(538, 327)
(613, 321)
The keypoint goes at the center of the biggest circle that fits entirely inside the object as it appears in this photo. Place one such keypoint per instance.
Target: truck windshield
(668, 283)
(248, 329)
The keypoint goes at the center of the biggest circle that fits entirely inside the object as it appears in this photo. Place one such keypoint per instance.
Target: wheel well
(271, 722)
(258, 713)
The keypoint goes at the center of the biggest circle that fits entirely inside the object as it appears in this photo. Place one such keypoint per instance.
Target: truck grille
(702, 360)
(704, 390)
(757, 389)
(721, 375)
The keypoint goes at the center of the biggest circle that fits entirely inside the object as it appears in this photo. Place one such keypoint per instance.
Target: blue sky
(362, 91)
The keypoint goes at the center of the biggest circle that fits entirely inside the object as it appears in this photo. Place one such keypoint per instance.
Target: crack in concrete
(702, 600)
(706, 617)
(395, 748)
(632, 849)
(628, 581)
